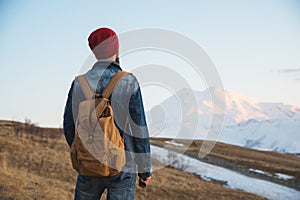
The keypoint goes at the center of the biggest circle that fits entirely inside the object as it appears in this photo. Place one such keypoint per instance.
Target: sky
(255, 46)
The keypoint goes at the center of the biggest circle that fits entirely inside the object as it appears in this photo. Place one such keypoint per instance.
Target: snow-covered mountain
(281, 135)
(240, 108)
(249, 123)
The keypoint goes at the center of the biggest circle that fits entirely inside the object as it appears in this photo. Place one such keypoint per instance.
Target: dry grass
(38, 167)
(169, 183)
(267, 161)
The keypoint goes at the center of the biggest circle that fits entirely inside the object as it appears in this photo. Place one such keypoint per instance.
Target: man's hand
(143, 182)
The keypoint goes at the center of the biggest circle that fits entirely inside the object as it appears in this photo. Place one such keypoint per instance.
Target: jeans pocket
(124, 181)
(81, 179)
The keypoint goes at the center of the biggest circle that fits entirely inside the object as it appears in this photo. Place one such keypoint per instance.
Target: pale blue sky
(255, 46)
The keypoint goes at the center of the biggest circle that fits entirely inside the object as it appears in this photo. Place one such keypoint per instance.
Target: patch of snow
(232, 179)
(259, 171)
(172, 142)
(284, 176)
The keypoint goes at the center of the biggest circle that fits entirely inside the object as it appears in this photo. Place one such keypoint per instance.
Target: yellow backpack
(98, 148)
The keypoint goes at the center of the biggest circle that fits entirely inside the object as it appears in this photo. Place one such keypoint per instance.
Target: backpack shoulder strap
(113, 83)
(85, 87)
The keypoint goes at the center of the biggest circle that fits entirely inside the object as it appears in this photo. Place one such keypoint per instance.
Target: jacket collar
(105, 64)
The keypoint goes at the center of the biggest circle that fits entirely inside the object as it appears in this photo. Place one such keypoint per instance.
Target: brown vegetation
(35, 164)
(268, 161)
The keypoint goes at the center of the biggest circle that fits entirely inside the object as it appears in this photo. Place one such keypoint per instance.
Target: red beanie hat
(104, 43)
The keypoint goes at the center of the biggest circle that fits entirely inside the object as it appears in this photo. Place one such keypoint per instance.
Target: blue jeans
(119, 187)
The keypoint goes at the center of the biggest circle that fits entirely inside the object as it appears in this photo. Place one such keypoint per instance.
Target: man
(126, 101)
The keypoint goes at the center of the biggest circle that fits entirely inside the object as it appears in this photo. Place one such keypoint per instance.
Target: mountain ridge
(248, 123)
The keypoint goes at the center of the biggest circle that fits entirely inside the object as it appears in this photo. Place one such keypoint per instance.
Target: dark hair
(118, 59)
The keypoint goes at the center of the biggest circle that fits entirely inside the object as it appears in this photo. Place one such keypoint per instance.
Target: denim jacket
(127, 104)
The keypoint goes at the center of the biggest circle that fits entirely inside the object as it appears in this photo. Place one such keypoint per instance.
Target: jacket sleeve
(141, 140)
(68, 123)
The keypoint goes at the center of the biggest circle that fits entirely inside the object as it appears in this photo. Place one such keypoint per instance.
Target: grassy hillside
(267, 161)
(35, 164)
